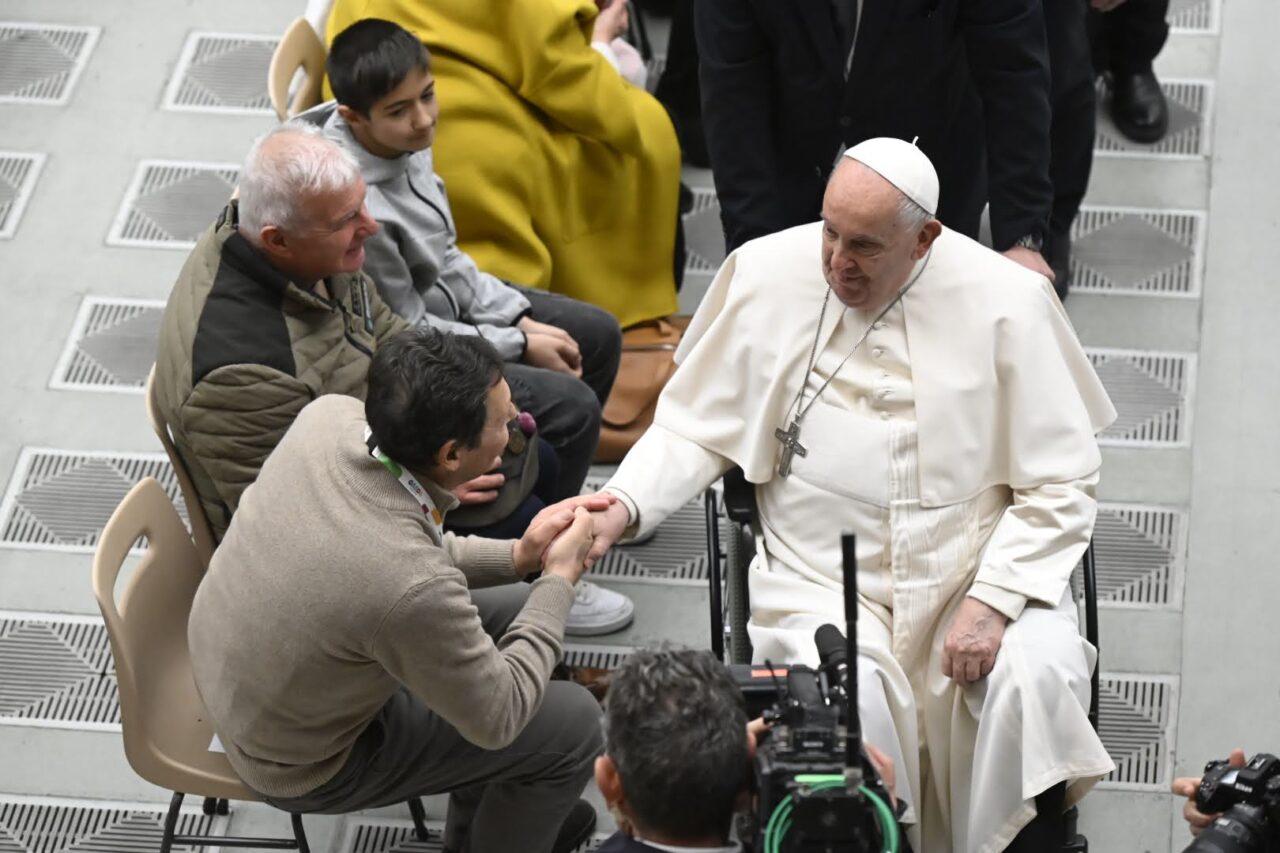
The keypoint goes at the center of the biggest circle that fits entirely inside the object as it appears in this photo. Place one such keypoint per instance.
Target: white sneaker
(597, 610)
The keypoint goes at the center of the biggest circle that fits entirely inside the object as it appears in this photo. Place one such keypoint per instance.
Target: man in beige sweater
(352, 656)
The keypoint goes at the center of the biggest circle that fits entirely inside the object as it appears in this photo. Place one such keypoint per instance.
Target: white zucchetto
(902, 164)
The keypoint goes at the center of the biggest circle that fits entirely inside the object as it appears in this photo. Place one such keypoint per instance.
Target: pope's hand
(970, 649)
(1031, 259)
(1186, 786)
(609, 526)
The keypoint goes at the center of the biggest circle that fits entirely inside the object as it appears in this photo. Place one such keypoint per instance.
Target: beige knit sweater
(329, 592)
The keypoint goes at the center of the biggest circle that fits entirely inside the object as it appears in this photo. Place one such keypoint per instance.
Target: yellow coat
(561, 175)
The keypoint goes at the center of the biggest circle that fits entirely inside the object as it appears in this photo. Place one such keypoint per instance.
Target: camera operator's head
(676, 747)
(437, 404)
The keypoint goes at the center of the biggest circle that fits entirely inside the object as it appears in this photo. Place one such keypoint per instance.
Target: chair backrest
(201, 531)
(166, 733)
(300, 47)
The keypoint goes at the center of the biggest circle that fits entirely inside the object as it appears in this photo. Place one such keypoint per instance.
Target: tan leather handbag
(647, 351)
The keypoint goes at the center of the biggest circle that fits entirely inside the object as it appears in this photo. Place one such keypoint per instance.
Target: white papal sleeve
(660, 474)
(1036, 544)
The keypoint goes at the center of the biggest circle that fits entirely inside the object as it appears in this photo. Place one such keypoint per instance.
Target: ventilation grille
(1124, 250)
(1140, 555)
(599, 656)
(1150, 391)
(1136, 724)
(169, 204)
(1189, 107)
(222, 73)
(111, 347)
(18, 174)
(382, 835)
(1200, 17)
(40, 63)
(28, 825)
(59, 500)
(57, 671)
(676, 555)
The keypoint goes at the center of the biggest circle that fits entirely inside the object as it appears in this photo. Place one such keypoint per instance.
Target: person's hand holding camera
(1186, 786)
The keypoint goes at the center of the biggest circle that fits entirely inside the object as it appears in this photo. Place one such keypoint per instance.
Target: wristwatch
(1034, 242)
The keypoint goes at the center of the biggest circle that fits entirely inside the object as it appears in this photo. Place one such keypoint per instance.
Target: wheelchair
(729, 558)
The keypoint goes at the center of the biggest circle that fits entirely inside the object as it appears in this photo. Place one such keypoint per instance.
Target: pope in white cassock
(876, 372)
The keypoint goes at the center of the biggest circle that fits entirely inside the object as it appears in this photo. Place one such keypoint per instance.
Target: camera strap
(435, 518)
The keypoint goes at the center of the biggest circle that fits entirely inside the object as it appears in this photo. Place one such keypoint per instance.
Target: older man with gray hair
(269, 312)
(880, 373)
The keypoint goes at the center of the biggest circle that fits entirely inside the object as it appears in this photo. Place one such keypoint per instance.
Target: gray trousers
(500, 800)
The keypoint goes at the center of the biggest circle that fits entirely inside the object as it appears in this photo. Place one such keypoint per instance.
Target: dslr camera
(1248, 798)
(818, 791)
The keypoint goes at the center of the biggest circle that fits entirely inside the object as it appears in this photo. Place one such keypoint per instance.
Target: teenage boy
(561, 355)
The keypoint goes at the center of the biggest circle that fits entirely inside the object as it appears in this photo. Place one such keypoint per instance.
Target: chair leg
(210, 806)
(171, 822)
(299, 834)
(224, 808)
(419, 819)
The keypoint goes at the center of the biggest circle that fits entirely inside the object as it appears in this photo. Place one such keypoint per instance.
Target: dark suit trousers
(1074, 114)
(567, 409)
(1128, 38)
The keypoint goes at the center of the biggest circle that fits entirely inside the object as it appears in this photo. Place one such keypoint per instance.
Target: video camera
(818, 790)
(1248, 798)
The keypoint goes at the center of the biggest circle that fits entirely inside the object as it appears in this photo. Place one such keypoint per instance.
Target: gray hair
(675, 727)
(275, 178)
(911, 216)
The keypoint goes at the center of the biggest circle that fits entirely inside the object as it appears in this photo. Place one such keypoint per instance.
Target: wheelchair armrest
(739, 497)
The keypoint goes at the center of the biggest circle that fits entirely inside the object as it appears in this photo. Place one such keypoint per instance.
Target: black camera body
(803, 761)
(818, 791)
(1249, 801)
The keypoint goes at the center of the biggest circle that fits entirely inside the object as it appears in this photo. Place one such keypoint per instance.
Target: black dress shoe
(1138, 106)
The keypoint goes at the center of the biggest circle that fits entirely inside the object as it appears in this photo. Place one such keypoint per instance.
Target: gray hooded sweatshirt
(414, 258)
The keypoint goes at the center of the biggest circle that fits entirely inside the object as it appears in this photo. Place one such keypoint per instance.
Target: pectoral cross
(791, 446)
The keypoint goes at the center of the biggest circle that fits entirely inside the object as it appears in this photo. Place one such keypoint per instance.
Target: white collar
(732, 848)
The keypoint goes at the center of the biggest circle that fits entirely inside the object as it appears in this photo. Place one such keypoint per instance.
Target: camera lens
(1241, 829)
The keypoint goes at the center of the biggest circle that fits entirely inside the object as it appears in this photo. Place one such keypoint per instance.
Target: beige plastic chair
(300, 47)
(166, 726)
(201, 531)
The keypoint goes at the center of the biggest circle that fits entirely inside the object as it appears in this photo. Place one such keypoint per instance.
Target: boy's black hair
(426, 388)
(370, 58)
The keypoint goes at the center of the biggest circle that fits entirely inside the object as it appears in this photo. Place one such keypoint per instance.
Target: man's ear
(608, 780)
(447, 457)
(930, 232)
(274, 242)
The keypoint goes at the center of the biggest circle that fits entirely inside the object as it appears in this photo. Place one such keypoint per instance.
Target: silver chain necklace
(790, 437)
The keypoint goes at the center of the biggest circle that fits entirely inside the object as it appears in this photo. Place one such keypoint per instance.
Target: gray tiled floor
(120, 128)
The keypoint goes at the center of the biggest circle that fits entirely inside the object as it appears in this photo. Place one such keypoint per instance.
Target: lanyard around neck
(435, 517)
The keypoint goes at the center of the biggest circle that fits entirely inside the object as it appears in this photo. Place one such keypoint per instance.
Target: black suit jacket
(969, 77)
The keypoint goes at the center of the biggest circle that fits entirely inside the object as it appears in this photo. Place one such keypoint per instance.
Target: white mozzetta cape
(1004, 394)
